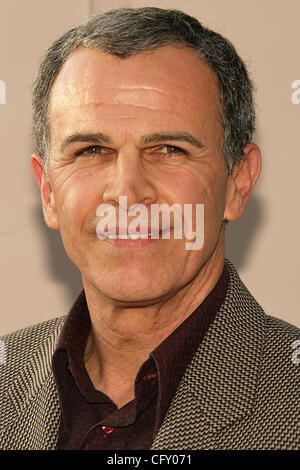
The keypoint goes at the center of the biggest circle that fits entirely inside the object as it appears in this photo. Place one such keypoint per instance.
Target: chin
(136, 293)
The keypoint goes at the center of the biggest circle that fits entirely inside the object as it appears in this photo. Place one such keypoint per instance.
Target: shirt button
(107, 430)
(148, 377)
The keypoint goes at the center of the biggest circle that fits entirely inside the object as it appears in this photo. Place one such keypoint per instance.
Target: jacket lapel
(218, 387)
(33, 402)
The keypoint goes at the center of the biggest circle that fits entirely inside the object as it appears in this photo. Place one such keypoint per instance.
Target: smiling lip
(122, 239)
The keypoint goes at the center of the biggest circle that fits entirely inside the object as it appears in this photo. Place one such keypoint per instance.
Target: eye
(172, 150)
(92, 151)
(167, 154)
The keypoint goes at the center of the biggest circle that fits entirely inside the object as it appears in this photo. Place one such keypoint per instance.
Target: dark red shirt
(89, 418)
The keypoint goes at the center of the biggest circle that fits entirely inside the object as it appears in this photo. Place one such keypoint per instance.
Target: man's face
(147, 127)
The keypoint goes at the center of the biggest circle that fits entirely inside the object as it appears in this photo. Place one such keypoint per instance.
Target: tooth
(134, 236)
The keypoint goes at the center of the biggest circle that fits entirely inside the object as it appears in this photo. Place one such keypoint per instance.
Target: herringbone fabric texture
(29, 405)
(241, 390)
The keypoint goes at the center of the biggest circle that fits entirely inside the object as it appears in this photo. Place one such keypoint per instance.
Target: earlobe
(47, 196)
(241, 182)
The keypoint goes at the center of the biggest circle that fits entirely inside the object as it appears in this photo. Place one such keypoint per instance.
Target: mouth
(144, 233)
(135, 236)
(122, 239)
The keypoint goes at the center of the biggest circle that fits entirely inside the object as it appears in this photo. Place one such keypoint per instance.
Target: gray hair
(128, 31)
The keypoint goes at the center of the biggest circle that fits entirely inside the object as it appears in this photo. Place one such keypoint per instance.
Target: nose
(130, 178)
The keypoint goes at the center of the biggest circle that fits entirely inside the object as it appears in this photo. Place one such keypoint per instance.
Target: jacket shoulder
(280, 327)
(281, 354)
(20, 346)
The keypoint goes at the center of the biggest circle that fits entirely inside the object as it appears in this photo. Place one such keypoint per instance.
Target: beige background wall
(38, 282)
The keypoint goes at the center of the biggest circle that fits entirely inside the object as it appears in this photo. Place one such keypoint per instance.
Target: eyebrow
(93, 138)
(101, 139)
(177, 136)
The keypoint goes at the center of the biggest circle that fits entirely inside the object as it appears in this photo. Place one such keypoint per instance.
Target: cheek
(77, 200)
(214, 196)
(203, 186)
(208, 188)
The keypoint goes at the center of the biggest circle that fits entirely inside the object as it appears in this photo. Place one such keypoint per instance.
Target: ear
(242, 181)
(48, 201)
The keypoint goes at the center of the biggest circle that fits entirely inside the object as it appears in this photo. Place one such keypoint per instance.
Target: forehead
(169, 78)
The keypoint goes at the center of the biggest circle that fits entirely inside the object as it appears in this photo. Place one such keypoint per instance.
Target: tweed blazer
(240, 391)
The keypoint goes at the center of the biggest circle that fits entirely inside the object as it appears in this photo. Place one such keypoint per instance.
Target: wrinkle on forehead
(166, 68)
(118, 102)
(137, 95)
(114, 102)
(94, 86)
